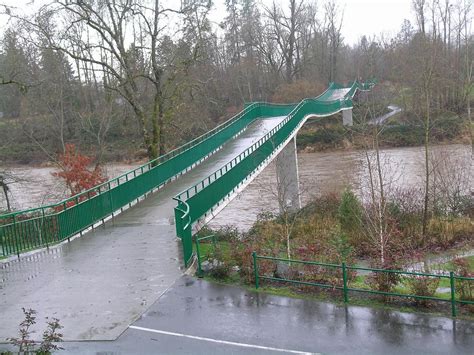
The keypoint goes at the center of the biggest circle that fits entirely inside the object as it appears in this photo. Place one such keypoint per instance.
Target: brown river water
(327, 172)
(319, 173)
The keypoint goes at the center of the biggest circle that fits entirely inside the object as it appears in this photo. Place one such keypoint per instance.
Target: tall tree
(118, 33)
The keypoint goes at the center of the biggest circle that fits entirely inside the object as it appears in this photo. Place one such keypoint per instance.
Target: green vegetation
(336, 229)
(451, 266)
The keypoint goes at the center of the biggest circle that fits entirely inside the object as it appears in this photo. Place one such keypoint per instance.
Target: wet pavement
(98, 284)
(198, 317)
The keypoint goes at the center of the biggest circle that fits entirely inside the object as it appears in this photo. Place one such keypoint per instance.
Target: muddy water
(322, 173)
(319, 173)
(36, 186)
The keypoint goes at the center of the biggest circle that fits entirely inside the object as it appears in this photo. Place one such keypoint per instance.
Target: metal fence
(212, 238)
(344, 286)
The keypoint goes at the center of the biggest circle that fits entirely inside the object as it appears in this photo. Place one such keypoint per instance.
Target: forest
(133, 79)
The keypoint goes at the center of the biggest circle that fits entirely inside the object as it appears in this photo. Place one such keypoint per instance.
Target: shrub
(322, 137)
(464, 288)
(350, 214)
(383, 281)
(422, 286)
(50, 336)
(220, 262)
(446, 231)
(75, 172)
(340, 243)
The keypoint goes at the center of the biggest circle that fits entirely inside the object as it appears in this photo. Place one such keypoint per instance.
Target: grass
(402, 287)
(449, 266)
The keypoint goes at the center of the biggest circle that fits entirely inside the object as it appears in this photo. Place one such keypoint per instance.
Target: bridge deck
(100, 283)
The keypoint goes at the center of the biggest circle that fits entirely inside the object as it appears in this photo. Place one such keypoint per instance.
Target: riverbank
(324, 134)
(400, 130)
(343, 228)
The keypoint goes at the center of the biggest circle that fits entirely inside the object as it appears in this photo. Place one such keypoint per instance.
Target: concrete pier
(287, 178)
(347, 118)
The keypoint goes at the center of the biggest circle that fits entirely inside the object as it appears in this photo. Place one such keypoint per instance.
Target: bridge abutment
(287, 178)
(347, 118)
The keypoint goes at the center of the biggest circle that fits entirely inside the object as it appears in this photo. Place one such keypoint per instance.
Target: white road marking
(243, 345)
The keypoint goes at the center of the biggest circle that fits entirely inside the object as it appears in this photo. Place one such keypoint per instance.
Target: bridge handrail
(41, 226)
(354, 86)
(331, 86)
(150, 164)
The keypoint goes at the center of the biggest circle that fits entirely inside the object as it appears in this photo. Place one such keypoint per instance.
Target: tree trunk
(427, 167)
(5, 189)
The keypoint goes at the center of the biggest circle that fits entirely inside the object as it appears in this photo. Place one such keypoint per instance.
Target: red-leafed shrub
(75, 171)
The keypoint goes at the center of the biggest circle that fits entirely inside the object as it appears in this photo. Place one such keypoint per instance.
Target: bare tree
(376, 188)
(286, 31)
(334, 26)
(6, 179)
(124, 42)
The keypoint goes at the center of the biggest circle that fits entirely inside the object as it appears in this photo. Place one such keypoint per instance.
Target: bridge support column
(347, 117)
(287, 178)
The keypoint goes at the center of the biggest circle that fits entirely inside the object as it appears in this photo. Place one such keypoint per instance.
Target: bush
(464, 288)
(322, 137)
(446, 231)
(447, 127)
(383, 281)
(402, 135)
(51, 335)
(350, 214)
(422, 286)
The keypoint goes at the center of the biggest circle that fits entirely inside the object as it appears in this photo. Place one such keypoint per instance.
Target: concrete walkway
(198, 317)
(381, 120)
(98, 284)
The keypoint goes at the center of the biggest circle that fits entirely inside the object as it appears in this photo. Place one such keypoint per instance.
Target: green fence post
(344, 280)
(42, 233)
(255, 268)
(15, 236)
(453, 294)
(198, 255)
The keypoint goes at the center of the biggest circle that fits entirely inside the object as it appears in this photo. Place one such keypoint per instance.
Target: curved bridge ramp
(202, 201)
(98, 284)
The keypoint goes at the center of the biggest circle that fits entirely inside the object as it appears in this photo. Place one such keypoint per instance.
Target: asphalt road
(198, 317)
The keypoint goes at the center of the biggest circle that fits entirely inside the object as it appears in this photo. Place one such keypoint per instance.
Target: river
(326, 172)
(319, 173)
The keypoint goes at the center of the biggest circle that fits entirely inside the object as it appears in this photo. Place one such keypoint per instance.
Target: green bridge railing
(340, 272)
(197, 201)
(39, 227)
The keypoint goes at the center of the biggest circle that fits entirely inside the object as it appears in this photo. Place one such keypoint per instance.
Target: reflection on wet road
(198, 317)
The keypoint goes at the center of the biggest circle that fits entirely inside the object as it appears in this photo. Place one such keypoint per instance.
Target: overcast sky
(361, 17)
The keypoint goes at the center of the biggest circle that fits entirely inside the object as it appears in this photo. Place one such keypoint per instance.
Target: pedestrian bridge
(204, 197)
